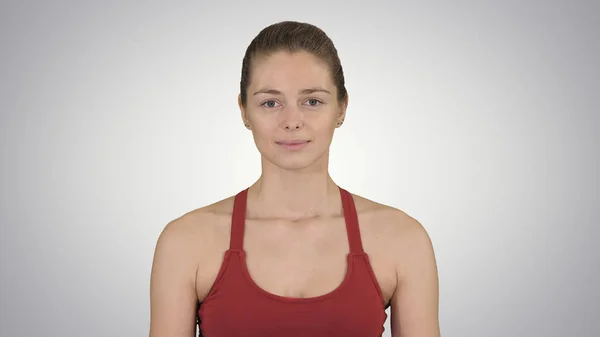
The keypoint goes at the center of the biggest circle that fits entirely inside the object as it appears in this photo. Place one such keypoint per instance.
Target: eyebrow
(303, 91)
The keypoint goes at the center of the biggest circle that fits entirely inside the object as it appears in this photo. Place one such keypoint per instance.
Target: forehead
(290, 70)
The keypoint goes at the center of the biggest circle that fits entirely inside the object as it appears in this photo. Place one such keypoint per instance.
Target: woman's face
(292, 109)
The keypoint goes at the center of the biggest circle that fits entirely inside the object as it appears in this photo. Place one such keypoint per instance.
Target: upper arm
(173, 297)
(415, 302)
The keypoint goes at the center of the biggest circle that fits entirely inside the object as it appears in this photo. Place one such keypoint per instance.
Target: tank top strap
(238, 221)
(351, 218)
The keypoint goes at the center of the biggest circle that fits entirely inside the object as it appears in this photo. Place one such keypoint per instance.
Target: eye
(269, 104)
(313, 102)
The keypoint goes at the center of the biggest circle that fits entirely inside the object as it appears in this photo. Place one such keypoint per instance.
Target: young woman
(294, 254)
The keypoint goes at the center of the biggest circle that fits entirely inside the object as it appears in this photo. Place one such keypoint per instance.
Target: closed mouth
(293, 142)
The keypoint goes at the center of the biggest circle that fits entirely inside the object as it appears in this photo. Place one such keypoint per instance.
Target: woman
(294, 254)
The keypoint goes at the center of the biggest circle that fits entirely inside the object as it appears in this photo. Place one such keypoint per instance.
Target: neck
(293, 195)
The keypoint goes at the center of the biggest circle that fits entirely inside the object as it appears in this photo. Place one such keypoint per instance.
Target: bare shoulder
(388, 218)
(191, 242)
(188, 246)
(197, 229)
(397, 231)
(405, 264)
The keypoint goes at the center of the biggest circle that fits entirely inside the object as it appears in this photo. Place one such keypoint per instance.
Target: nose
(295, 125)
(292, 119)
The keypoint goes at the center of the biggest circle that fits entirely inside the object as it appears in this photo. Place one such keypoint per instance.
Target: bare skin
(295, 239)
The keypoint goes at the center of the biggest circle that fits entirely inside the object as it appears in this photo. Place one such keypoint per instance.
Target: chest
(307, 260)
(255, 316)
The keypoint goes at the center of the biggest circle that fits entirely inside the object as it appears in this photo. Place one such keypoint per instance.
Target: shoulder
(388, 218)
(408, 276)
(194, 233)
(184, 263)
(401, 234)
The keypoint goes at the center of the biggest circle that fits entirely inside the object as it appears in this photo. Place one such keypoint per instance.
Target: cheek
(264, 128)
(324, 124)
(264, 133)
(263, 124)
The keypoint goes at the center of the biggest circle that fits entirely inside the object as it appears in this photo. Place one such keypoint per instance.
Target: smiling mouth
(293, 144)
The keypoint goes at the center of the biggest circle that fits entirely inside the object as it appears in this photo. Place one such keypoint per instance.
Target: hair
(293, 36)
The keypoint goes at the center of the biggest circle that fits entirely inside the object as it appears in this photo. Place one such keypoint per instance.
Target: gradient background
(478, 118)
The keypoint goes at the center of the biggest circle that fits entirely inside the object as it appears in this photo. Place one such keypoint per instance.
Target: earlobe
(243, 112)
(342, 113)
(240, 105)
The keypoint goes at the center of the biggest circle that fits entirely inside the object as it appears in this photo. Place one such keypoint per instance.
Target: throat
(294, 205)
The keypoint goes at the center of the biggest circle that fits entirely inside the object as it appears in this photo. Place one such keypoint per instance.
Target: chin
(295, 161)
(291, 164)
(294, 166)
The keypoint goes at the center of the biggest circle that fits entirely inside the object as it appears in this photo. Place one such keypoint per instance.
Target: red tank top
(236, 306)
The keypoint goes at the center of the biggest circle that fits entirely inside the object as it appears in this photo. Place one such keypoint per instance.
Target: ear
(243, 112)
(343, 106)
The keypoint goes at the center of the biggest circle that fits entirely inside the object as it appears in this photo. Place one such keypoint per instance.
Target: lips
(292, 142)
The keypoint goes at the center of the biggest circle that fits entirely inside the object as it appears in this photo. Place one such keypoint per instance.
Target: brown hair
(293, 36)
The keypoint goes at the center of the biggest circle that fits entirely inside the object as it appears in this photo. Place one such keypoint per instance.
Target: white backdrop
(479, 118)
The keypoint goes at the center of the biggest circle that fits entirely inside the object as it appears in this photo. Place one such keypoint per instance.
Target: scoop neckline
(335, 291)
